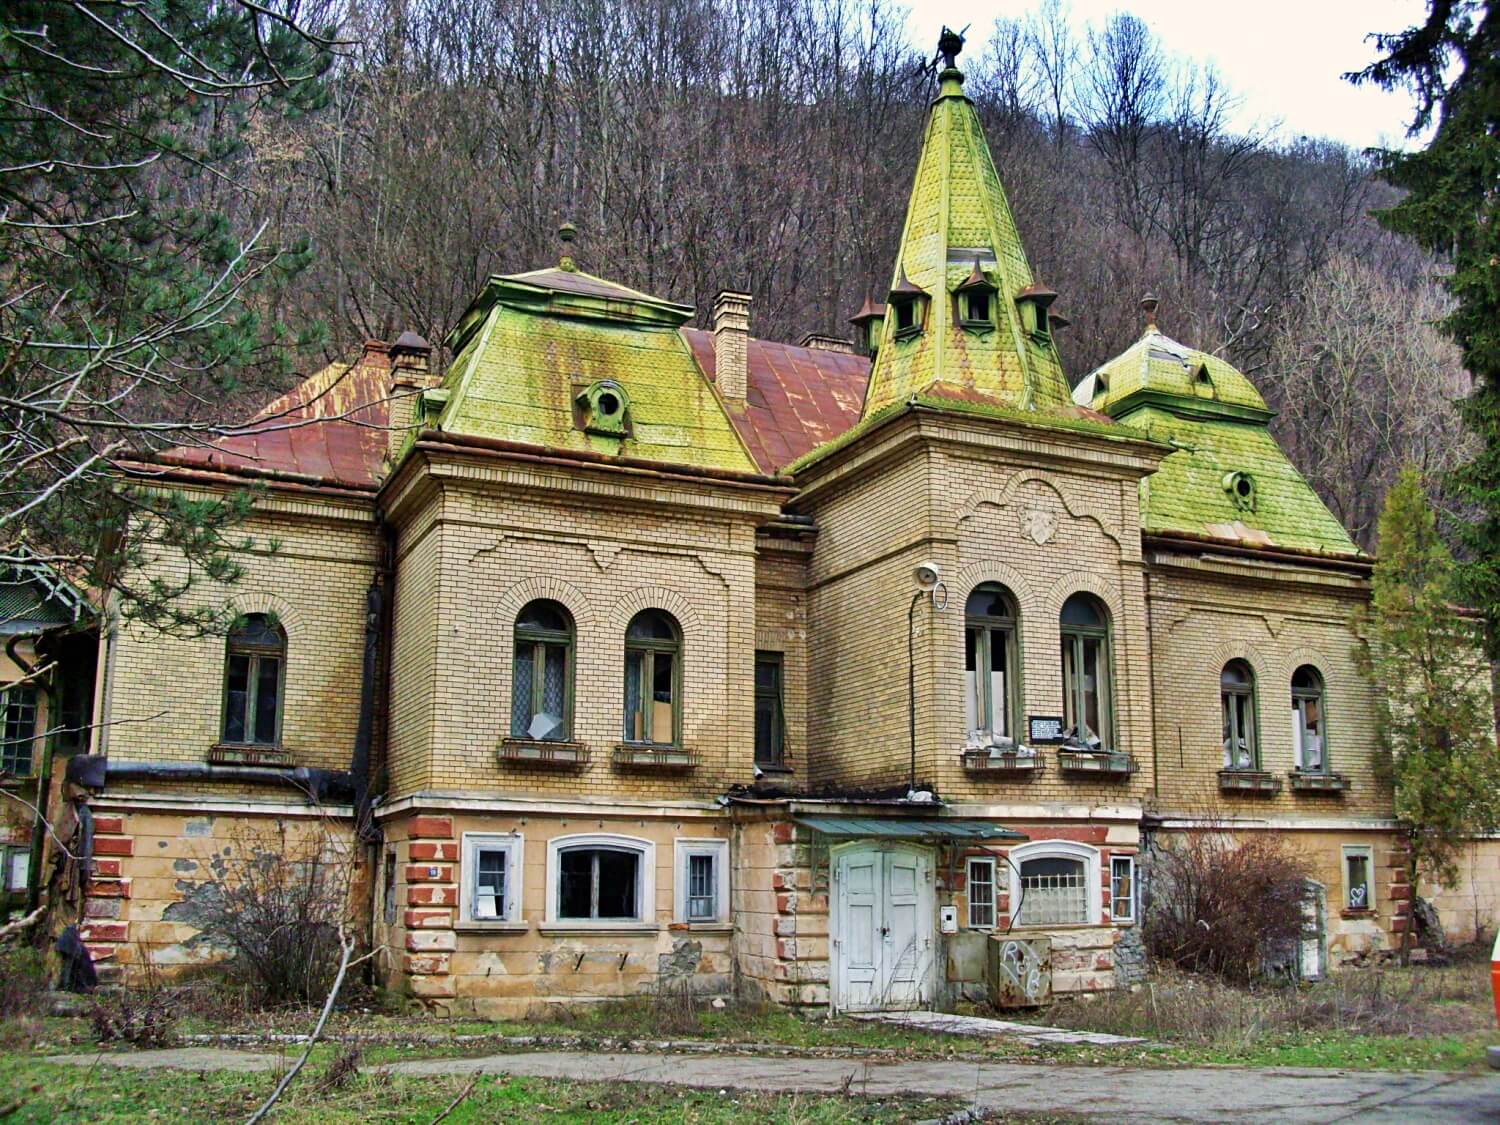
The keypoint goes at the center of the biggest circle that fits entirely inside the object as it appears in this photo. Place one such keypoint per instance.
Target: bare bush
(23, 983)
(275, 904)
(1222, 906)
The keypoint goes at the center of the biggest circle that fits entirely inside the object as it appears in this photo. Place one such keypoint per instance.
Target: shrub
(275, 904)
(23, 983)
(142, 1017)
(1225, 906)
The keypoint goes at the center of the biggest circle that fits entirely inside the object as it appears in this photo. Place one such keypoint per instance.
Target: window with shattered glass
(541, 680)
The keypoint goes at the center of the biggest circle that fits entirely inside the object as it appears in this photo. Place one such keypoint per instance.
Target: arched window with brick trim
(254, 680)
(541, 689)
(653, 679)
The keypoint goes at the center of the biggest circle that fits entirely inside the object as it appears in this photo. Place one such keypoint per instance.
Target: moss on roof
(532, 343)
(1156, 365)
(958, 215)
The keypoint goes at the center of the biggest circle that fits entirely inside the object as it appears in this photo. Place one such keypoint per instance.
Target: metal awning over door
(908, 828)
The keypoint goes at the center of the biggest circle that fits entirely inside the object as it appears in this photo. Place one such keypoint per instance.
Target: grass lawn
(48, 1092)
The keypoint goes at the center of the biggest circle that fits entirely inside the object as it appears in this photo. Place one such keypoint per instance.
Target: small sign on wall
(1044, 728)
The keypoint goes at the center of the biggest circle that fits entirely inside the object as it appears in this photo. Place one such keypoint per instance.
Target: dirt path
(1189, 1094)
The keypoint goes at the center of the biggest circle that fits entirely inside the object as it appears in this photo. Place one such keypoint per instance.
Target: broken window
(653, 658)
(1359, 887)
(1237, 704)
(982, 894)
(1122, 888)
(770, 710)
(1308, 750)
(491, 877)
(1054, 892)
(702, 880)
(599, 884)
(991, 667)
(254, 671)
(17, 753)
(541, 679)
(388, 888)
(1086, 672)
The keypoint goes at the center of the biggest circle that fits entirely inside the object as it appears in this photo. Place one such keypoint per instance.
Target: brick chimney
(410, 358)
(731, 341)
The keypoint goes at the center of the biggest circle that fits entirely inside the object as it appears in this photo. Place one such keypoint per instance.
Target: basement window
(1122, 888)
(491, 877)
(702, 881)
(981, 894)
(600, 879)
(1359, 883)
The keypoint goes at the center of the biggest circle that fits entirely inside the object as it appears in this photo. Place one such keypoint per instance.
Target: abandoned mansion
(622, 652)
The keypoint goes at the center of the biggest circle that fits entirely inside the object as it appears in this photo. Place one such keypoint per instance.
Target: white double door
(882, 929)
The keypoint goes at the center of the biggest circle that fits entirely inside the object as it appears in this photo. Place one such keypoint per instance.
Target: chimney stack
(731, 342)
(410, 360)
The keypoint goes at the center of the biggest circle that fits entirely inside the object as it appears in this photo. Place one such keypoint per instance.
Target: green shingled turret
(560, 359)
(1228, 479)
(967, 319)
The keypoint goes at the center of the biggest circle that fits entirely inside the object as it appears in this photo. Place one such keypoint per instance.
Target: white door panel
(882, 948)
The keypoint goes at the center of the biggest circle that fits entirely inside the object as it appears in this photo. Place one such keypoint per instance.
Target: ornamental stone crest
(1039, 523)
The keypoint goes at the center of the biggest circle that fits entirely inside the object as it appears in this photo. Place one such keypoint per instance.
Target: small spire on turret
(1148, 306)
(566, 234)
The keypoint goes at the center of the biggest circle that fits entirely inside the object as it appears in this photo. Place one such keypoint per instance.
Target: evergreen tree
(1452, 208)
(134, 286)
(1423, 656)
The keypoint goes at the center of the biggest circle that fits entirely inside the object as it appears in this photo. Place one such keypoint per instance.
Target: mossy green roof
(958, 214)
(1157, 366)
(530, 344)
(1218, 421)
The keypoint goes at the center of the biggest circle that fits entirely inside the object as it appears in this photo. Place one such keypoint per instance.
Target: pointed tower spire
(965, 317)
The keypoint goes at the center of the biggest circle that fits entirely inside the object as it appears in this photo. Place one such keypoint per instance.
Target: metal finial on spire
(950, 43)
(566, 234)
(1148, 306)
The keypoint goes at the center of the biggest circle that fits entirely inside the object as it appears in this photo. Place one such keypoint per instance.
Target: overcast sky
(1285, 58)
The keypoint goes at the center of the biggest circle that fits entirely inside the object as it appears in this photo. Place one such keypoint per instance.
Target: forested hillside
(769, 145)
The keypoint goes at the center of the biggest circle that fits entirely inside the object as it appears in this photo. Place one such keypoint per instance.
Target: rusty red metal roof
(795, 398)
(330, 428)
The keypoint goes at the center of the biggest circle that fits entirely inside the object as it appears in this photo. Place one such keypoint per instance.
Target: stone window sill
(492, 927)
(1358, 913)
(539, 752)
(601, 929)
(650, 755)
(702, 927)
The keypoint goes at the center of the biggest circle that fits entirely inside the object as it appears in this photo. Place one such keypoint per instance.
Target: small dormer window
(1241, 489)
(973, 299)
(1202, 381)
(603, 409)
(908, 303)
(1034, 302)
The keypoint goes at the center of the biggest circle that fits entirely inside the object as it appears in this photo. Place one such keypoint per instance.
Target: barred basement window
(1359, 887)
(1054, 892)
(254, 670)
(702, 886)
(1122, 888)
(491, 877)
(981, 894)
(17, 752)
(541, 689)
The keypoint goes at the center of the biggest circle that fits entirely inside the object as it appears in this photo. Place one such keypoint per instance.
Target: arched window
(1086, 673)
(1237, 704)
(1309, 739)
(1054, 883)
(599, 879)
(541, 686)
(991, 666)
(653, 678)
(254, 674)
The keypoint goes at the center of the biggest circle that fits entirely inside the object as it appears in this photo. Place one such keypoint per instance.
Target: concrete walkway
(946, 1023)
(1109, 1093)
